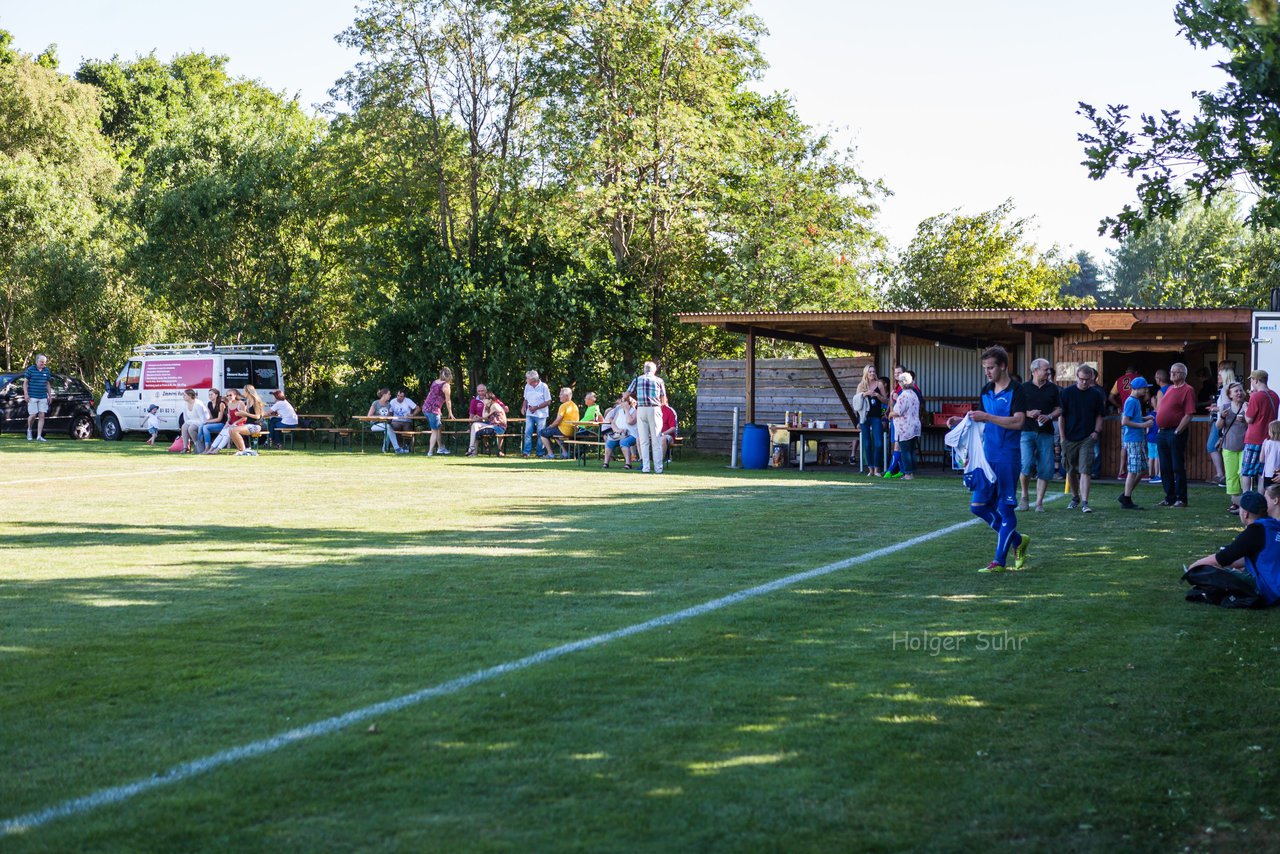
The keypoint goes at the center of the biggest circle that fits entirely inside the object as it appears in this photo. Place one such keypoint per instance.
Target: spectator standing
(1173, 417)
(906, 423)
(1231, 428)
(1134, 421)
(874, 398)
(1080, 427)
(562, 427)
(439, 396)
(1119, 394)
(1226, 376)
(193, 422)
(1153, 435)
(284, 415)
(1261, 411)
(534, 408)
(35, 388)
(1044, 405)
(650, 392)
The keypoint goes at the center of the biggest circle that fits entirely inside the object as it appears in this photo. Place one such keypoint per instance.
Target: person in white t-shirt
(193, 419)
(537, 400)
(402, 410)
(282, 415)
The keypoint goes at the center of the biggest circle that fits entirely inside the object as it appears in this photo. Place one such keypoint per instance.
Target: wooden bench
(338, 434)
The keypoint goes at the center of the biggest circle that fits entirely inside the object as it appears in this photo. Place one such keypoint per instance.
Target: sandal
(626, 465)
(471, 453)
(604, 465)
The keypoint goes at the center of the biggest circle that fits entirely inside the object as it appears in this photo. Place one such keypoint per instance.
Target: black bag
(1226, 588)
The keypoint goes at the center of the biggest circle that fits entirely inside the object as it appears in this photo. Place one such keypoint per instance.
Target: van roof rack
(189, 348)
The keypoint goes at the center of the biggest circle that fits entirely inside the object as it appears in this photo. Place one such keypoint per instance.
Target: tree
(980, 261)
(1231, 141)
(1088, 280)
(1206, 257)
(58, 291)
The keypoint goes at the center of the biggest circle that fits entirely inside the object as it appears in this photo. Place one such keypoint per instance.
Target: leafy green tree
(58, 292)
(1206, 257)
(1230, 141)
(219, 209)
(980, 261)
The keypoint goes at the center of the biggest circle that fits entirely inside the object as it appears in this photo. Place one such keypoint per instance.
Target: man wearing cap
(1134, 422)
(1245, 573)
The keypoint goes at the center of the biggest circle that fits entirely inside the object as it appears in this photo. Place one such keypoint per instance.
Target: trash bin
(755, 446)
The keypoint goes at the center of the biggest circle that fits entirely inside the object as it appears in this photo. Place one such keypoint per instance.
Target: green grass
(176, 607)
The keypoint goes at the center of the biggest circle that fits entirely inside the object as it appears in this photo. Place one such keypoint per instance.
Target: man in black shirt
(1080, 427)
(1043, 408)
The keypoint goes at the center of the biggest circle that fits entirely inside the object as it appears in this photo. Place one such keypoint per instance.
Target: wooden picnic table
(818, 433)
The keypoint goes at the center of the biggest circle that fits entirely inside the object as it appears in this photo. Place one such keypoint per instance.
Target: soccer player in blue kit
(1003, 407)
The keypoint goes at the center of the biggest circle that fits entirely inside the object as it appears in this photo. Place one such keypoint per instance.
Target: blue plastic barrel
(755, 446)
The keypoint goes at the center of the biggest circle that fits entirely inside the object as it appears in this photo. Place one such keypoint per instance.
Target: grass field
(158, 609)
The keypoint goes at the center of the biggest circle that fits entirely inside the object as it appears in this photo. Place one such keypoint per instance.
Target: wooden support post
(1222, 352)
(893, 351)
(835, 384)
(751, 376)
(1029, 354)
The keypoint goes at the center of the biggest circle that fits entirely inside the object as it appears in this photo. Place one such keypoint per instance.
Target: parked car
(71, 407)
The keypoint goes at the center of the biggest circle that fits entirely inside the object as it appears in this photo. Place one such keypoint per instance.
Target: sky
(953, 105)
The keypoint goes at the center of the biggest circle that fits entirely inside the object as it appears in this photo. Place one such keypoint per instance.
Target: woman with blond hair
(874, 395)
(438, 396)
(1226, 376)
(250, 425)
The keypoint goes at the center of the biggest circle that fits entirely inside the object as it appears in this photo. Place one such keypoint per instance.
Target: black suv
(70, 407)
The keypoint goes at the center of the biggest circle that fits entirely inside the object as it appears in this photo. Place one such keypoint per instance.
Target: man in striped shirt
(650, 393)
(35, 388)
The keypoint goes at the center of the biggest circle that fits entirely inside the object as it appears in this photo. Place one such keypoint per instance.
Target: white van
(158, 373)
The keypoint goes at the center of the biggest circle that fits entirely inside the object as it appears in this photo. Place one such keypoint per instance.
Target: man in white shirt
(282, 415)
(402, 411)
(537, 400)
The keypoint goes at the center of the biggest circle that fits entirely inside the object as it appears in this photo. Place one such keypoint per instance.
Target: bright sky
(953, 105)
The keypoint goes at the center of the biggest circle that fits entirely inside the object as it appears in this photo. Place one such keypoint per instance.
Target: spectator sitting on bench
(562, 427)
(382, 408)
(670, 429)
(402, 411)
(493, 422)
(619, 430)
(590, 415)
(282, 415)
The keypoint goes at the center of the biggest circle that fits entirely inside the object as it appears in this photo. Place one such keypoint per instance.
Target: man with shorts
(1043, 409)
(35, 388)
(1079, 428)
(1002, 408)
(1133, 437)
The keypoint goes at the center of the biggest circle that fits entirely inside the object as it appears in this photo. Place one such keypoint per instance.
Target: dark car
(70, 407)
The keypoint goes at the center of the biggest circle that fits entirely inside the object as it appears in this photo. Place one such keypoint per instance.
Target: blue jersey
(37, 382)
(1266, 566)
(1002, 445)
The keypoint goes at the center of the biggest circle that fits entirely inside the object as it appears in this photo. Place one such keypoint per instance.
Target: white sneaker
(29, 436)
(41, 439)
(244, 453)
(444, 451)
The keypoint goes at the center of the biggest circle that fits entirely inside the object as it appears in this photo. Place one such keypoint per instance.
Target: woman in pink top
(439, 396)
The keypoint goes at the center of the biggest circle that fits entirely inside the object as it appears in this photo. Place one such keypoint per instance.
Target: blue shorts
(1153, 452)
(433, 420)
(1037, 454)
(1251, 461)
(492, 430)
(1136, 452)
(625, 441)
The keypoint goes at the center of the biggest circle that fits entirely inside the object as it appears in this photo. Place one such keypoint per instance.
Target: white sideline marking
(104, 474)
(186, 770)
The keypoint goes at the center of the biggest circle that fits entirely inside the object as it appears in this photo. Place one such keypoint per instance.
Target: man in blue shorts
(1002, 410)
